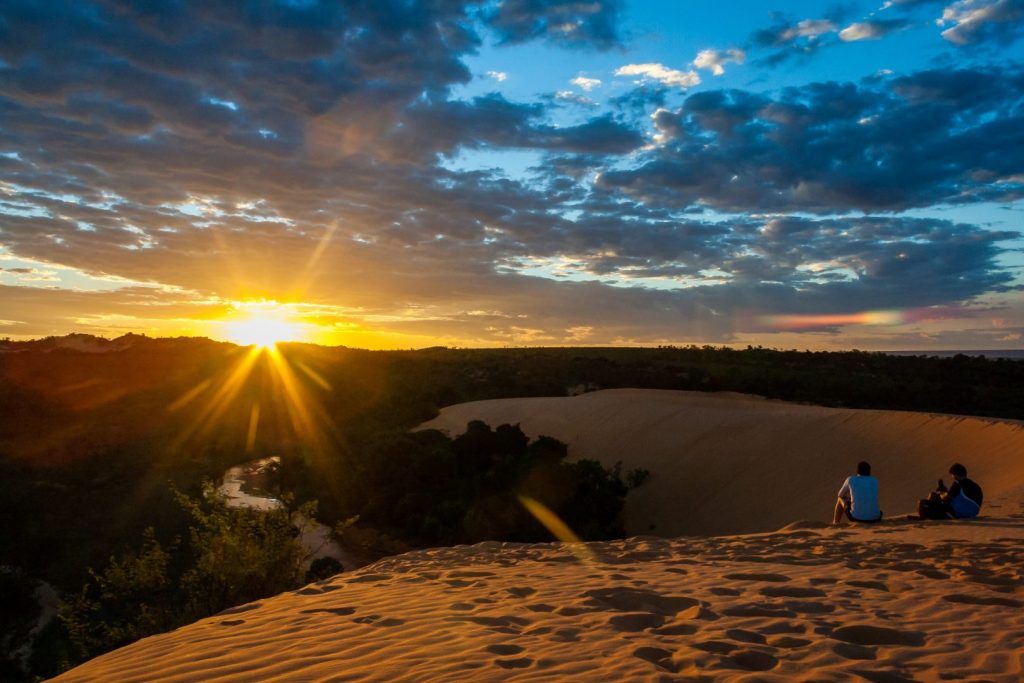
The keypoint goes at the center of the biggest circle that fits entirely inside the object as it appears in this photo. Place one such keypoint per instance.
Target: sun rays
(261, 382)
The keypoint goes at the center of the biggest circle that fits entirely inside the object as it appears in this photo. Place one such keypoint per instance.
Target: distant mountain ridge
(89, 343)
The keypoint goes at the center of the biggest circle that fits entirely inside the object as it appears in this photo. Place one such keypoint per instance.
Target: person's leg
(837, 514)
(930, 509)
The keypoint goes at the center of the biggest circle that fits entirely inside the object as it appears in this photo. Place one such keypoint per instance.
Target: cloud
(714, 60)
(575, 98)
(661, 73)
(974, 21)
(498, 75)
(871, 30)
(807, 28)
(837, 147)
(909, 4)
(570, 23)
(789, 38)
(585, 83)
(790, 31)
(330, 179)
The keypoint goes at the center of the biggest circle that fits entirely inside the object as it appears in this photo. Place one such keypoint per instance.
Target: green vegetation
(231, 556)
(428, 489)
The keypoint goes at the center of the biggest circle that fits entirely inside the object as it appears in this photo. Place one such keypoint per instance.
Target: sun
(264, 325)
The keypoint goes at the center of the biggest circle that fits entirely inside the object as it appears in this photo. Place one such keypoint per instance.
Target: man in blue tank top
(858, 497)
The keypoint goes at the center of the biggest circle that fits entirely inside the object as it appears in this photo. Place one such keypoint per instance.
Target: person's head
(863, 468)
(958, 471)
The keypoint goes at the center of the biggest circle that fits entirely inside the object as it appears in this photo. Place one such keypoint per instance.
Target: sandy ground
(902, 601)
(898, 601)
(728, 463)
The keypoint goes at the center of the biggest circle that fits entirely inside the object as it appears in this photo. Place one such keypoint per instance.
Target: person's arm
(952, 493)
(844, 491)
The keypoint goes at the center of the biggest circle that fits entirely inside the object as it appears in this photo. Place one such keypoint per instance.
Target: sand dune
(730, 463)
(896, 602)
(887, 603)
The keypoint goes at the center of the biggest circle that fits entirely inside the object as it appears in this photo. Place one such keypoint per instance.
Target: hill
(728, 463)
(896, 602)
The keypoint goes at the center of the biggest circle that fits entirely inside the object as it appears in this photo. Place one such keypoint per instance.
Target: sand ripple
(898, 602)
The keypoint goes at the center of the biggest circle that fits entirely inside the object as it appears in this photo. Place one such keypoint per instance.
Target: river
(317, 540)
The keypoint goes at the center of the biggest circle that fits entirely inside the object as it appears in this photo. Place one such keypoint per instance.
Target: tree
(232, 556)
(133, 597)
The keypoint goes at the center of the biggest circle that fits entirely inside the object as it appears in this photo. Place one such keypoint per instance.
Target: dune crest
(725, 463)
(901, 601)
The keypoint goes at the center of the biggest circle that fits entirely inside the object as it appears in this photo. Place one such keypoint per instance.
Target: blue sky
(401, 174)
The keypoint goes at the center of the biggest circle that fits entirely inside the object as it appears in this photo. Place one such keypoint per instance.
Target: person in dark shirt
(962, 500)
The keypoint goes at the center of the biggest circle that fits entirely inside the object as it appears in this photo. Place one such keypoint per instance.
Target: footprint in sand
(698, 612)
(566, 635)
(632, 622)
(983, 600)
(745, 636)
(874, 585)
(792, 592)
(657, 656)
(742, 576)
(521, 592)
(676, 630)
(789, 642)
(541, 607)
(633, 599)
(232, 622)
(718, 647)
(751, 660)
(504, 649)
(520, 663)
(864, 634)
(852, 651)
(733, 592)
(933, 574)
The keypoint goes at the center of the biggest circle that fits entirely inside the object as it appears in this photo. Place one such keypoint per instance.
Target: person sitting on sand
(858, 497)
(961, 501)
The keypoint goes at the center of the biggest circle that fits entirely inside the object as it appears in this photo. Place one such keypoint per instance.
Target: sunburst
(264, 325)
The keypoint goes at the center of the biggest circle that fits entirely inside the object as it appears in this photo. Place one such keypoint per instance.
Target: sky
(403, 173)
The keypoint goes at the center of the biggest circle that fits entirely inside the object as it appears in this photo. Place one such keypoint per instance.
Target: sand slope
(897, 602)
(730, 463)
